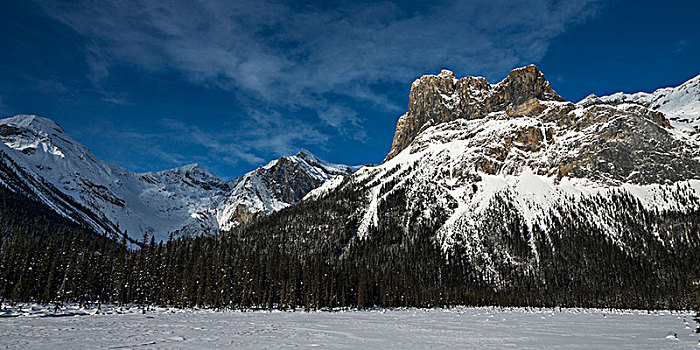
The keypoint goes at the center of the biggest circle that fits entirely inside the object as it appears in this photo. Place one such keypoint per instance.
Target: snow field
(460, 327)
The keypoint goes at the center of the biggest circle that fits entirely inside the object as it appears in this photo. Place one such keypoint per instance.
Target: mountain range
(42, 162)
(463, 144)
(492, 194)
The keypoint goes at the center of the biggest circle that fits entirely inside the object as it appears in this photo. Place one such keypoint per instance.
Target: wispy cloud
(682, 44)
(218, 145)
(263, 134)
(279, 57)
(117, 98)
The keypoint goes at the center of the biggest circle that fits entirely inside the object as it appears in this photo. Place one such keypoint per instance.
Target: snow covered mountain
(39, 160)
(276, 185)
(681, 104)
(501, 171)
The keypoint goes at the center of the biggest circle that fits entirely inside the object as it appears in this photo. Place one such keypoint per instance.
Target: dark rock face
(631, 145)
(287, 181)
(443, 98)
(192, 175)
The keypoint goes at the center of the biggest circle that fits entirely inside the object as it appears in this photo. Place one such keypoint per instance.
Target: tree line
(308, 257)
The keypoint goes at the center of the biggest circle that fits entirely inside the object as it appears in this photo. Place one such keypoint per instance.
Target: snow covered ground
(463, 328)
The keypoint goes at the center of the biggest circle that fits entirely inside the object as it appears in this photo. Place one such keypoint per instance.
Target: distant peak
(312, 164)
(589, 100)
(33, 122)
(191, 166)
(304, 153)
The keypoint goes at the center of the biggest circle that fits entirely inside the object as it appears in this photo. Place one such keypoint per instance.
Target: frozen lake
(462, 328)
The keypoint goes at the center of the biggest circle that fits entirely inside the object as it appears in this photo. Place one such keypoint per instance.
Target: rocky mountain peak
(446, 73)
(306, 154)
(193, 169)
(276, 185)
(523, 84)
(521, 123)
(32, 122)
(192, 175)
(442, 98)
(26, 133)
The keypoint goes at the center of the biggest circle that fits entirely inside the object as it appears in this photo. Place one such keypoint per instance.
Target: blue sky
(152, 85)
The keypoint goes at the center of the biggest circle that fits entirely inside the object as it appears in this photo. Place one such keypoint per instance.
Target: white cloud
(277, 57)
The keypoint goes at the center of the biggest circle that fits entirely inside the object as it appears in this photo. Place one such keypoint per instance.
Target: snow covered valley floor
(465, 328)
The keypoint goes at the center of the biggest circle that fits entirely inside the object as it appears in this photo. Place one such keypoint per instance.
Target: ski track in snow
(461, 327)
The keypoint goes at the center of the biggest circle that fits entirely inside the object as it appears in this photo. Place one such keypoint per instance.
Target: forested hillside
(47, 259)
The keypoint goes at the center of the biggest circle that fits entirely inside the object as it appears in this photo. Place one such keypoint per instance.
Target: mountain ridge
(483, 141)
(43, 162)
(681, 104)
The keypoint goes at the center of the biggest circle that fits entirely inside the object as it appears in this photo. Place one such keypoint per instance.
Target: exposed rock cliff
(442, 98)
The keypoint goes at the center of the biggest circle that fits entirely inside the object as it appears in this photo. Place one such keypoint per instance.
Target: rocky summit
(276, 185)
(521, 122)
(442, 98)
